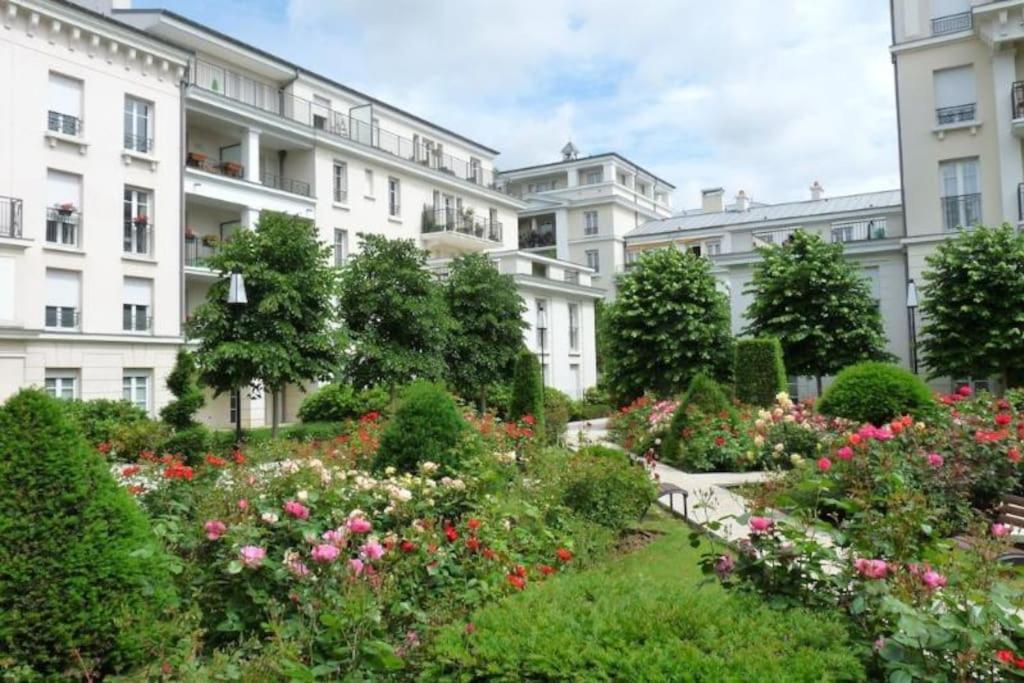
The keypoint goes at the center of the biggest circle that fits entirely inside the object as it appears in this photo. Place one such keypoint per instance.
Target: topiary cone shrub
(876, 393)
(527, 390)
(183, 383)
(704, 395)
(81, 584)
(759, 371)
(426, 427)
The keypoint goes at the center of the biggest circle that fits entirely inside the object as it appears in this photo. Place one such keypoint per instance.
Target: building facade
(581, 208)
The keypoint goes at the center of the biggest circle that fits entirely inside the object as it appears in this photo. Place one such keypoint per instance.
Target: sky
(743, 94)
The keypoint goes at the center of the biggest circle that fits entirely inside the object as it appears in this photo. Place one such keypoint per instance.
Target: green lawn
(643, 617)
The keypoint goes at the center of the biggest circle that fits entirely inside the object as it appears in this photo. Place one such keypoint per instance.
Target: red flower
(719, 441)
(473, 544)
(451, 533)
(545, 569)
(130, 470)
(214, 461)
(964, 390)
(473, 523)
(407, 546)
(1003, 419)
(519, 570)
(136, 490)
(490, 554)
(563, 554)
(1013, 454)
(517, 581)
(371, 416)
(104, 447)
(529, 419)
(238, 457)
(470, 628)
(179, 471)
(1005, 656)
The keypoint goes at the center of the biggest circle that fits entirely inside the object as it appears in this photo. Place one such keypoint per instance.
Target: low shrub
(191, 443)
(758, 371)
(527, 389)
(98, 419)
(599, 451)
(127, 441)
(596, 402)
(876, 393)
(557, 407)
(426, 428)
(612, 492)
(337, 402)
(704, 396)
(314, 431)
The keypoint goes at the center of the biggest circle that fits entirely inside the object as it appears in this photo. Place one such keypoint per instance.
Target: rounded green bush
(337, 402)
(80, 577)
(557, 407)
(876, 393)
(426, 427)
(704, 395)
(191, 443)
(610, 491)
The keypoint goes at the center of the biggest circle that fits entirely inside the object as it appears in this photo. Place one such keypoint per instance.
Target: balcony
(459, 230)
(299, 187)
(773, 238)
(200, 162)
(962, 113)
(64, 124)
(951, 23)
(235, 170)
(960, 211)
(198, 250)
(860, 231)
(138, 143)
(61, 318)
(63, 226)
(10, 217)
(138, 237)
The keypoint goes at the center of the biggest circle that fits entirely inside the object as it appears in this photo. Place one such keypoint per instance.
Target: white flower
(778, 448)
(390, 471)
(758, 440)
(269, 517)
(302, 495)
(429, 467)
(789, 418)
(795, 459)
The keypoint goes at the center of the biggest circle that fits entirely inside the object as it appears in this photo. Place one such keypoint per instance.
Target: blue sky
(745, 94)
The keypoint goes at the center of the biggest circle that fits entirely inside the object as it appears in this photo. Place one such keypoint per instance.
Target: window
(954, 95)
(961, 194)
(340, 182)
(590, 222)
(62, 384)
(713, 247)
(63, 292)
(694, 249)
(574, 327)
(542, 324)
(137, 224)
(368, 176)
(475, 172)
(321, 111)
(64, 196)
(394, 197)
(641, 188)
(592, 177)
(137, 308)
(137, 125)
(135, 388)
(65, 113)
(574, 371)
(340, 247)
(593, 260)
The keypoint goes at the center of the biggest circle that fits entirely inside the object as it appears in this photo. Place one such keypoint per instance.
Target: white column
(609, 172)
(1010, 168)
(562, 234)
(572, 177)
(249, 218)
(251, 154)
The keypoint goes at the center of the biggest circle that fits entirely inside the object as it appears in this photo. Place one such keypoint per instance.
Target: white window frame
(339, 181)
(574, 327)
(131, 381)
(340, 247)
(368, 178)
(713, 247)
(960, 178)
(58, 383)
(394, 197)
(590, 223)
(593, 257)
(541, 312)
(138, 111)
(137, 239)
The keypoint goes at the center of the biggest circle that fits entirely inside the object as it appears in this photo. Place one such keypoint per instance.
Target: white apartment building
(90, 204)
(870, 226)
(580, 209)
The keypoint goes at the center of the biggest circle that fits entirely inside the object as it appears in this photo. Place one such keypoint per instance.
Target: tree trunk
(274, 414)
(817, 378)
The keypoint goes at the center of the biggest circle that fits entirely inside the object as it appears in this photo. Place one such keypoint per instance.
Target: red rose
(473, 523)
(1013, 454)
(490, 554)
(563, 554)
(1004, 656)
(517, 581)
(545, 569)
(1003, 419)
(451, 533)
(529, 419)
(473, 544)
(719, 441)
(407, 546)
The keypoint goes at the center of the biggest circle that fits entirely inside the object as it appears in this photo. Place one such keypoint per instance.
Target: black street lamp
(912, 317)
(237, 299)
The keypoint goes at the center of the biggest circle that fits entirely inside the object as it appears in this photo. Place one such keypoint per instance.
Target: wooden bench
(670, 490)
(1011, 513)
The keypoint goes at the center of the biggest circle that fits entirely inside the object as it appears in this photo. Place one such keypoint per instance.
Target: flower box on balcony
(190, 234)
(66, 209)
(196, 159)
(232, 169)
(211, 240)
(140, 221)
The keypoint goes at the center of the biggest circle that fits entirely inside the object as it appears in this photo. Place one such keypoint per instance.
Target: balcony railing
(138, 143)
(957, 114)
(138, 238)
(61, 317)
(299, 187)
(1017, 99)
(266, 97)
(961, 211)
(198, 250)
(773, 237)
(951, 23)
(1020, 202)
(465, 223)
(63, 123)
(136, 321)
(10, 217)
(859, 231)
(231, 169)
(63, 227)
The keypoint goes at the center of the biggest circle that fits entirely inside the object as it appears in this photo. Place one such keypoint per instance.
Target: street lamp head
(236, 289)
(911, 295)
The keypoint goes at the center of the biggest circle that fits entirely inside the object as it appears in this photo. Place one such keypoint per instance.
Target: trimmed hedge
(876, 393)
(703, 394)
(610, 491)
(99, 419)
(759, 371)
(527, 390)
(337, 402)
(426, 427)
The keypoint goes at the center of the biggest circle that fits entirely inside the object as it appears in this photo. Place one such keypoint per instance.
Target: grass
(643, 616)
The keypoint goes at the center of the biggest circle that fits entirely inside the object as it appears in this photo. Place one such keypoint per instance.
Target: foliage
(817, 304)
(557, 406)
(336, 402)
(487, 325)
(668, 323)
(427, 427)
(188, 397)
(97, 419)
(130, 439)
(286, 333)
(595, 403)
(80, 583)
(527, 390)
(705, 397)
(610, 491)
(190, 443)
(876, 393)
(758, 371)
(395, 313)
(973, 305)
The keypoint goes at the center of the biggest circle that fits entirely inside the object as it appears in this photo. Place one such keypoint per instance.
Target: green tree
(668, 323)
(527, 390)
(487, 325)
(759, 372)
(287, 331)
(973, 306)
(817, 304)
(395, 312)
(183, 384)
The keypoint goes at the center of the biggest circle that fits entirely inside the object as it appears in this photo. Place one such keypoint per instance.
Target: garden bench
(1011, 513)
(670, 490)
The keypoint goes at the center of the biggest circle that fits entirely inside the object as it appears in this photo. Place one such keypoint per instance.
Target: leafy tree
(395, 312)
(973, 306)
(527, 390)
(668, 323)
(286, 333)
(817, 304)
(487, 325)
(188, 397)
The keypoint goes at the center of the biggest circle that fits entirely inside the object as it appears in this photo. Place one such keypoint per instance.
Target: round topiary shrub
(876, 393)
(759, 371)
(705, 396)
(607, 490)
(80, 579)
(426, 427)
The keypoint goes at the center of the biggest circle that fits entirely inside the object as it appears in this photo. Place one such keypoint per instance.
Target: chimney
(742, 201)
(711, 200)
(817, 191)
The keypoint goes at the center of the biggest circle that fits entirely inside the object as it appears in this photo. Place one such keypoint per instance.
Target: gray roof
(771, 212)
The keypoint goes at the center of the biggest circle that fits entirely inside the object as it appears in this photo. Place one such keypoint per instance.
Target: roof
(86, 11)
(771, 212)
(591, 157)
(301, 70)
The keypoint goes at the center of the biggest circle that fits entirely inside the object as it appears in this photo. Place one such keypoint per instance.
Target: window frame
(130, 383)
(394, 197)
(132, 137)
(339, 182)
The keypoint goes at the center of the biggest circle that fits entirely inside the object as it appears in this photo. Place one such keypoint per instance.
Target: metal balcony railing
(231, 169)
(859, 231)
(198, 250)
(63, 123)
(1017, 100)
(961, 211)
(63, 226)
(1020, 202)
(951, 23)
(10, 217)
(769, 238)
(463, 222)
(957, 114)
(138, 238)
(290, 185)
(62, 317)
(136, 321)
(138, 143)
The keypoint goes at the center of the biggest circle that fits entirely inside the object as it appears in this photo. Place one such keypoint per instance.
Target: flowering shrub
(632, 426)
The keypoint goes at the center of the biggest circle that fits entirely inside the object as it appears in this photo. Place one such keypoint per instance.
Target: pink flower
(215, 529)
(871, 569)
(724, 565)
(335, 537)
(964, 390)
(761, 525)
(357, 565)
(243, 504)
(325, 553)
(298, 568)
(296, 509)
(935, 460)
(933, 579)
(252, 556)
(824, 464)
(371, 550)
(359, 525)
(845, 453)
(1000, 530)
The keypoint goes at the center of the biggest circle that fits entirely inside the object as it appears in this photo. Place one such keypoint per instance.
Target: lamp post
(912, 317)
(237, 299)
(542, 329)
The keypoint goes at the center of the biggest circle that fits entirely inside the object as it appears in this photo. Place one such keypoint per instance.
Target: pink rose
(296, 509)
(243, 504)
(761, 525)
(724, 565)
(358, 525)
(1000, 530)
(357, 565)
(215, 529)
(871, 569)
(933, 579)
(824, 464)
(252, 556)
(325, 553)
(335, 537)
(298, 568)
(845, 453)
(935, 460)
(371, 550)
